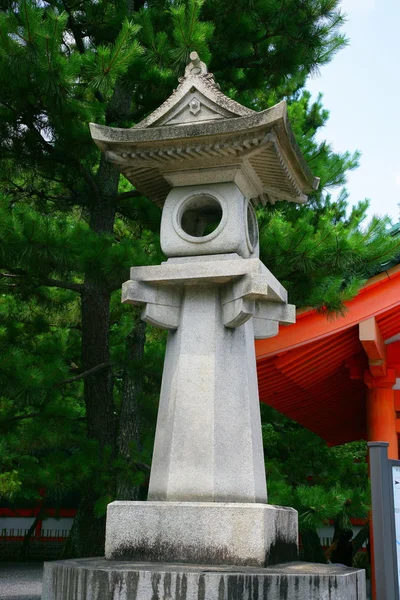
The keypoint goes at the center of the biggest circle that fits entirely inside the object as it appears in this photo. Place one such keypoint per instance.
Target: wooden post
(381, 415)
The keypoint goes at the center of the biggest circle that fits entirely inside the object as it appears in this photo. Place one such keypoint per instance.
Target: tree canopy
(325, 485)
(79, 383)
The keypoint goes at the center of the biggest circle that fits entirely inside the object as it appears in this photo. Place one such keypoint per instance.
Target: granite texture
(201, 270)
(251, 291)
(201, 532)
(183, 206)
(208, 443)
(199, 129)
(207, 489)
(98, 579)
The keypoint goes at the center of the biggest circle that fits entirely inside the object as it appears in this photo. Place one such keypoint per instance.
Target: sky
(361, 90)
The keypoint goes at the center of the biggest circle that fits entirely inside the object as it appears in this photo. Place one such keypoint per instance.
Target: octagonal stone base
(99, 579)
(216, 533)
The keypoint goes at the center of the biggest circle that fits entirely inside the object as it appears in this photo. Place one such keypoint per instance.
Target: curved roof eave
(272, 119)
(380, 294)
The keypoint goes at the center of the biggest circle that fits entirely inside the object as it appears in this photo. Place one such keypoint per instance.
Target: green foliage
(323, 484)
(190, 32)
(272, 46)
(322, 251)
(72, 228)
(9, 484)
(105, 64)
(323, 260)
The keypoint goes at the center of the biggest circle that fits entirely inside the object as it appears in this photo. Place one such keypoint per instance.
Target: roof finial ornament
(194, 57)
(195, 66)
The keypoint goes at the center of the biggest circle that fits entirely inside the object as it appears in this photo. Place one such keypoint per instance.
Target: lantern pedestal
(216, 533)
(103, 579)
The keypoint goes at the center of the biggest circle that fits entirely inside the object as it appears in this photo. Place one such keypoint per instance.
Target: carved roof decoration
(197, 98)
(199, 129)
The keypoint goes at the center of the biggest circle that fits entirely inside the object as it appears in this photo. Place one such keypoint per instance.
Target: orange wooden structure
(340, 377)
(337, 377)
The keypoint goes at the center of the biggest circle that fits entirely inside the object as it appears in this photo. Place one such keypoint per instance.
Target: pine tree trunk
(98, 389)
(360, 538)
(312, 549)
(24, 550)
(88, 532)
(130, 420)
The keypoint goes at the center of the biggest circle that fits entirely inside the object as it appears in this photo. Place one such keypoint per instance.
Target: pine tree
(324, 484)
(72, 227)
(323, 251)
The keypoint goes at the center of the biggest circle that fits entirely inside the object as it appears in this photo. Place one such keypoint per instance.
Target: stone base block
(214, 533)
(99, 579)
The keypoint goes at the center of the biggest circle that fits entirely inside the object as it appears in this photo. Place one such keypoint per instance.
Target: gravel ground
(21, 581)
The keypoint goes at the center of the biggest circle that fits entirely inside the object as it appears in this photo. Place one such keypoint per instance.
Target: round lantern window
(199, 218)
(251, 227)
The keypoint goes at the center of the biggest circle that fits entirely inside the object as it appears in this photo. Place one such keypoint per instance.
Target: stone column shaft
(208, 444)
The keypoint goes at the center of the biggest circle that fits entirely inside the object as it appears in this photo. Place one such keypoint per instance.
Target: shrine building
(340, 376)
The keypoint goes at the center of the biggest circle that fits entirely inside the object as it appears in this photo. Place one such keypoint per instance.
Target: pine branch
(317, 154)
(142, 467)
(75, 31)
(114, 286)
(88, 177)
(126, 195)
(136, 5)
(78, 36)
(74, 199)
(20, 418)
(85, 374)
(360, 538)
(65, 285)
(27, 537)
(380, 256)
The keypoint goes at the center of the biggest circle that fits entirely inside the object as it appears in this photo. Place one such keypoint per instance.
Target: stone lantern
(207, 162)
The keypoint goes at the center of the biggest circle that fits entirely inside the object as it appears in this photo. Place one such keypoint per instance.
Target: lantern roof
(199, 135)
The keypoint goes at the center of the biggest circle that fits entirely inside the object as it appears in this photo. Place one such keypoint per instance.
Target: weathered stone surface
(207, 490)
(206, 270)
(218, 268)
(201, 532)
(98, 579)
(187, 212)
(208, 444)
(180, 108)
(198, 132)
(252, 291)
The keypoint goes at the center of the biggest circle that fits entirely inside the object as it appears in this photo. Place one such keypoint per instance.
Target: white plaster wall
(51, 527)
(15, 523)
(326, 534)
